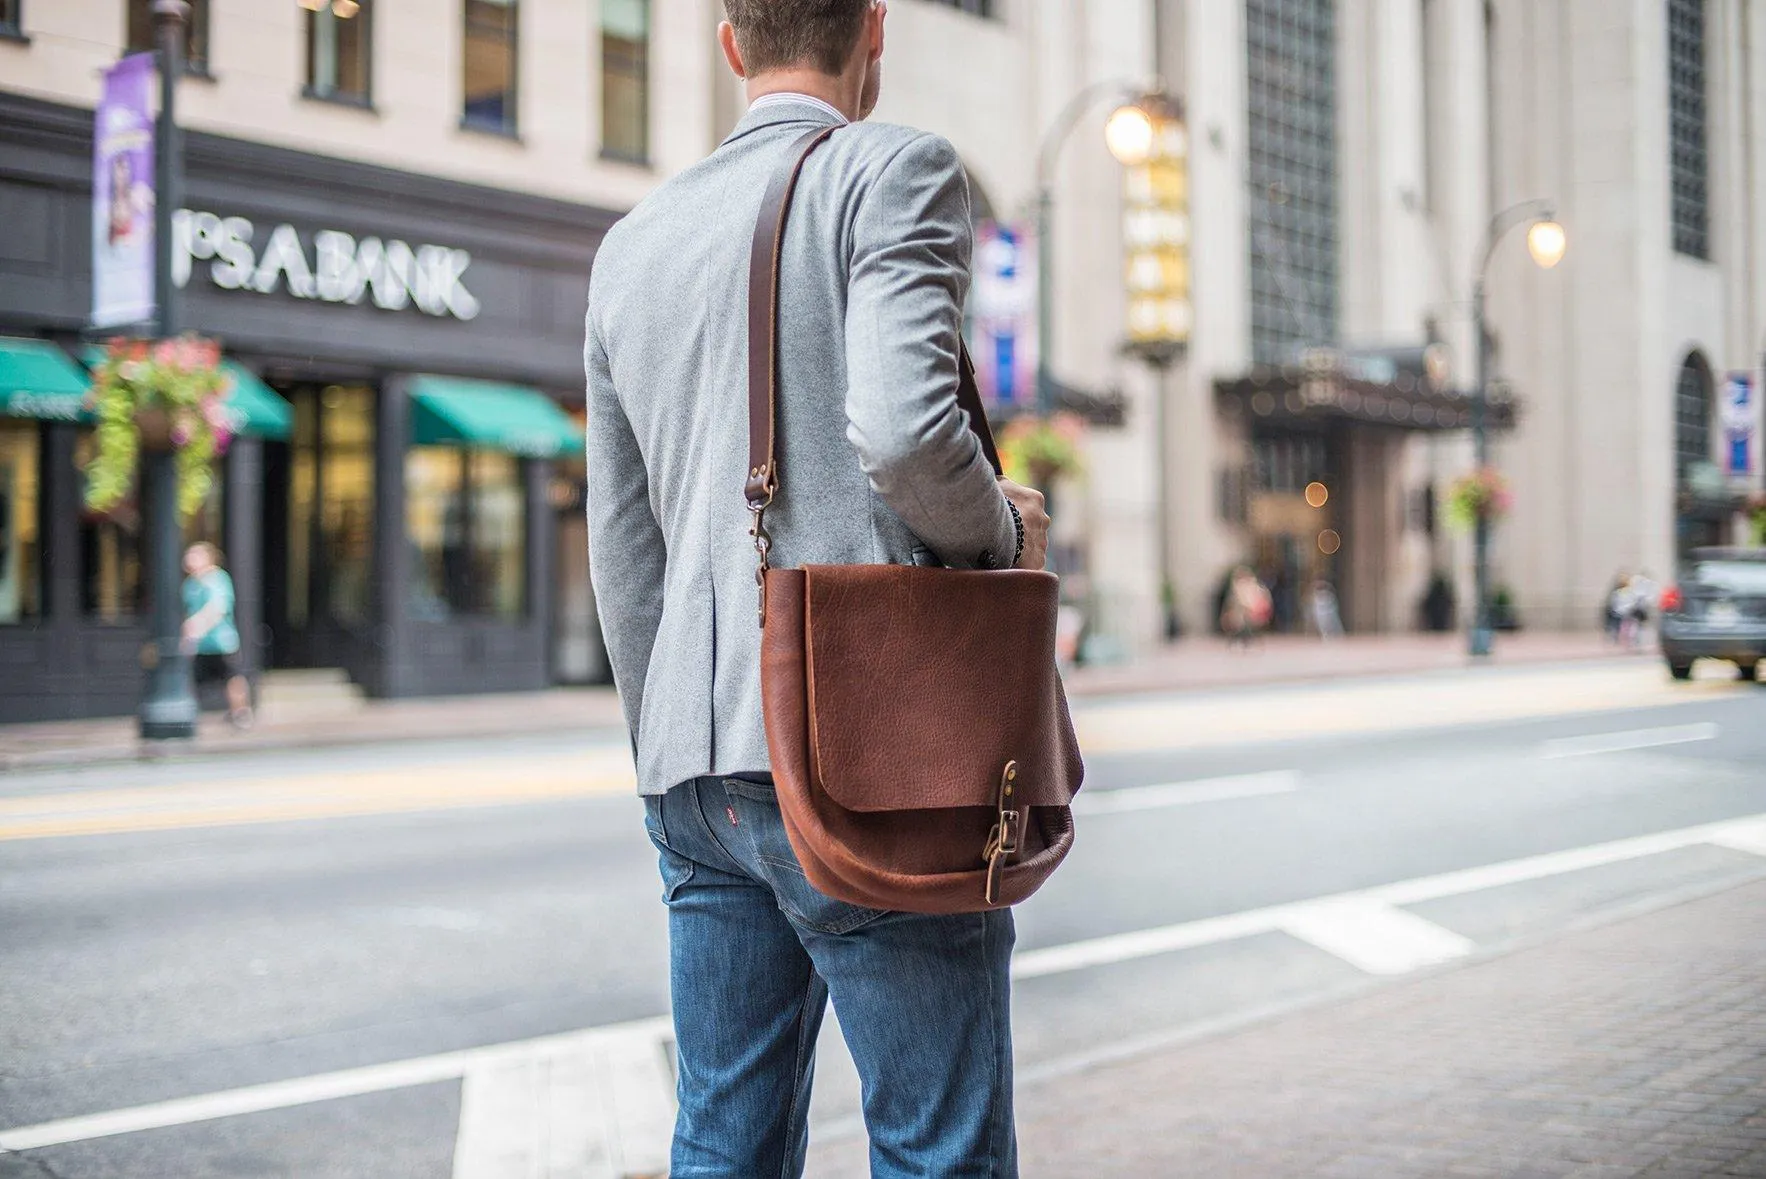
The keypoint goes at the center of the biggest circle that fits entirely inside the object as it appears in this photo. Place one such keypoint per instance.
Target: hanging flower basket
(166, 396)
(1034, 451)
(1481, 495)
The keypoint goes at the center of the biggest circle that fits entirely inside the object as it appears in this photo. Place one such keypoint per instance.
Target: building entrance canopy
(37, 380)
(1397, 388)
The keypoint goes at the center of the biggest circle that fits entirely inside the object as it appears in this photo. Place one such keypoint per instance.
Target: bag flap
(924, 683)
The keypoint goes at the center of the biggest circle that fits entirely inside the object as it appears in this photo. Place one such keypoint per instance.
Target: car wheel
(1680, 671)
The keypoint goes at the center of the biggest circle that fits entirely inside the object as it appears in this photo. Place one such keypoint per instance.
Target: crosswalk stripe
(1375, 937)
(600, 1107)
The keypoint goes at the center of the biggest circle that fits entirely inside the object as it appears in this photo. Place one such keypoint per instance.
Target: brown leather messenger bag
(921, 746)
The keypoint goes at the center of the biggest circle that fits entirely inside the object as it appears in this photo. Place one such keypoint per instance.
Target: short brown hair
(773, 34)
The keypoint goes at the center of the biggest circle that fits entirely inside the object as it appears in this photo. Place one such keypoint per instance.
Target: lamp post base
(1483, 639)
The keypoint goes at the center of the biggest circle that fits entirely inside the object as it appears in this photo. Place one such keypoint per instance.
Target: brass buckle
(763, 545)
(1002, 841)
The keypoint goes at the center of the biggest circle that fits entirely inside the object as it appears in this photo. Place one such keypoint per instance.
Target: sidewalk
(1191, 664)
(1638, 1048)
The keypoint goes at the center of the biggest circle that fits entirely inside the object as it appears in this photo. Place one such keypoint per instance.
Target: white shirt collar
(784, 96)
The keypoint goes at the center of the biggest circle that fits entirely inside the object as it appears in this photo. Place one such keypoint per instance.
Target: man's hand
(1029, 503)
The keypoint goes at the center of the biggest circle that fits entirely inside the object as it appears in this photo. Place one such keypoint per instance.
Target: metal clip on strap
(1002, 842)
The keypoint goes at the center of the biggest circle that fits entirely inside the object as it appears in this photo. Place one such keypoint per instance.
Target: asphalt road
(184, 946)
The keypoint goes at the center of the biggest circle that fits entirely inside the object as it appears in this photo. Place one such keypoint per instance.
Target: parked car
(1717, 611)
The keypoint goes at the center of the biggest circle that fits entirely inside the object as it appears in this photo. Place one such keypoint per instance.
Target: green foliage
(1481, 495)
(1035, 450)
(171, 387)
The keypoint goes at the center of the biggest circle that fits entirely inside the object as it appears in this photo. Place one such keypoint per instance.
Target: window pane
(195, 32)
(489, 83)
(628, 20)
(499, 535)
(346, 513)
(435, 521)
(625, 114)
(338, 50)
(20, 555)
(9, 16)
(302, 491)
(111, 589)
(1689, 159)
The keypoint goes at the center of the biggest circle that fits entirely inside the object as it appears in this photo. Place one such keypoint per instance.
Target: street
(448, 959)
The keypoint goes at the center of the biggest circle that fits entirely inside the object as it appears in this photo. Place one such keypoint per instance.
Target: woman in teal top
(209, 630)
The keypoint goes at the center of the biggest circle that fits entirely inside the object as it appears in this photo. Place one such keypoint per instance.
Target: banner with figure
(122, 195)
(1004, 306)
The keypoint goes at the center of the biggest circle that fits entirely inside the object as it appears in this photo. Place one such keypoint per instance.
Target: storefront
(409, 350)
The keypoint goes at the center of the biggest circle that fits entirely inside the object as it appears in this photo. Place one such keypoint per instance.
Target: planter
(155, 428)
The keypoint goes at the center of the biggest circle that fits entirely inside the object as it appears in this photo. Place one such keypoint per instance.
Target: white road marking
(375, 1078)
(600, 1108)
(1375, 937)
(1635, 739)
(1147, 798)
(1364, 923)
(1747, 837)
(1740, 834)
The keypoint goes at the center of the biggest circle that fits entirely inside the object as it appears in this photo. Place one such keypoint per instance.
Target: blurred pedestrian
(1624, 605)
(1644, 596)
(1611, 612)
(1248, 608)
(871, 274)
(210, 632)
(1326, 614)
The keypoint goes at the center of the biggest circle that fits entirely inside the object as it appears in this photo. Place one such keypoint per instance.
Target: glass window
(111, 588)
(347, 505)
(21, 581)
(973, 7)
(1737, 577)
(499, 534)
(331, 505)
(490, 76)
(466, 515)
(339, 48)
(1689, 159)
(11, 19)
(195, 33)
(625, 79)
(1693, 403)
(1292, 169)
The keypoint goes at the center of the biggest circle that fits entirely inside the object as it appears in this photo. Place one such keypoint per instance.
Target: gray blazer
(877, 462)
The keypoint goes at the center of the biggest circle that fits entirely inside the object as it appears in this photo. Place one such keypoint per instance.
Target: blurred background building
(393, 209)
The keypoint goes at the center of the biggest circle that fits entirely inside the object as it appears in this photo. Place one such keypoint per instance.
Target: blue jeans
(755, 954)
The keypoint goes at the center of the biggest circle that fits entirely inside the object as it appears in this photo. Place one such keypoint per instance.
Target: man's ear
(875, 20)
(726, 40)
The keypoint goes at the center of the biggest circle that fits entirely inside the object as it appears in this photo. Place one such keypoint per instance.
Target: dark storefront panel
(331, 281)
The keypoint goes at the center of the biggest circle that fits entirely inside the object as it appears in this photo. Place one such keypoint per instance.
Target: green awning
(37, 380)
(253, 408)
(452, 411)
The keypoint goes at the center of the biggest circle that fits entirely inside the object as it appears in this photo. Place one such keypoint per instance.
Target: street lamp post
(1545, 241)
(169, 709)
(1046, 158)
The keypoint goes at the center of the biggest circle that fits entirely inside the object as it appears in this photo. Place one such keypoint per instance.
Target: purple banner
(122, 195)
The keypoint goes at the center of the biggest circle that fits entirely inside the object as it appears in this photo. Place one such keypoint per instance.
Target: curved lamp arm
(1068, 118)
(1534, 210)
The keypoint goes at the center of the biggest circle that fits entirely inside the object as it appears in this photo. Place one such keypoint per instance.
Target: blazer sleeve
(909, 272)
(627, 554)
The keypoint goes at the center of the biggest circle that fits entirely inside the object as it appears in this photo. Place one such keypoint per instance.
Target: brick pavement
(1192, 664)
(1637, 1048)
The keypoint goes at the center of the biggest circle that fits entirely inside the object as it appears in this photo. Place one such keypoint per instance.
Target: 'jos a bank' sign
(338, 268)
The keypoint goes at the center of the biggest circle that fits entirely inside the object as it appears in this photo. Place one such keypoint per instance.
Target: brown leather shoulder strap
(763, 335)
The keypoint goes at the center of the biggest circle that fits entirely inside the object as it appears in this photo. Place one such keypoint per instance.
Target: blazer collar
(775, 113)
